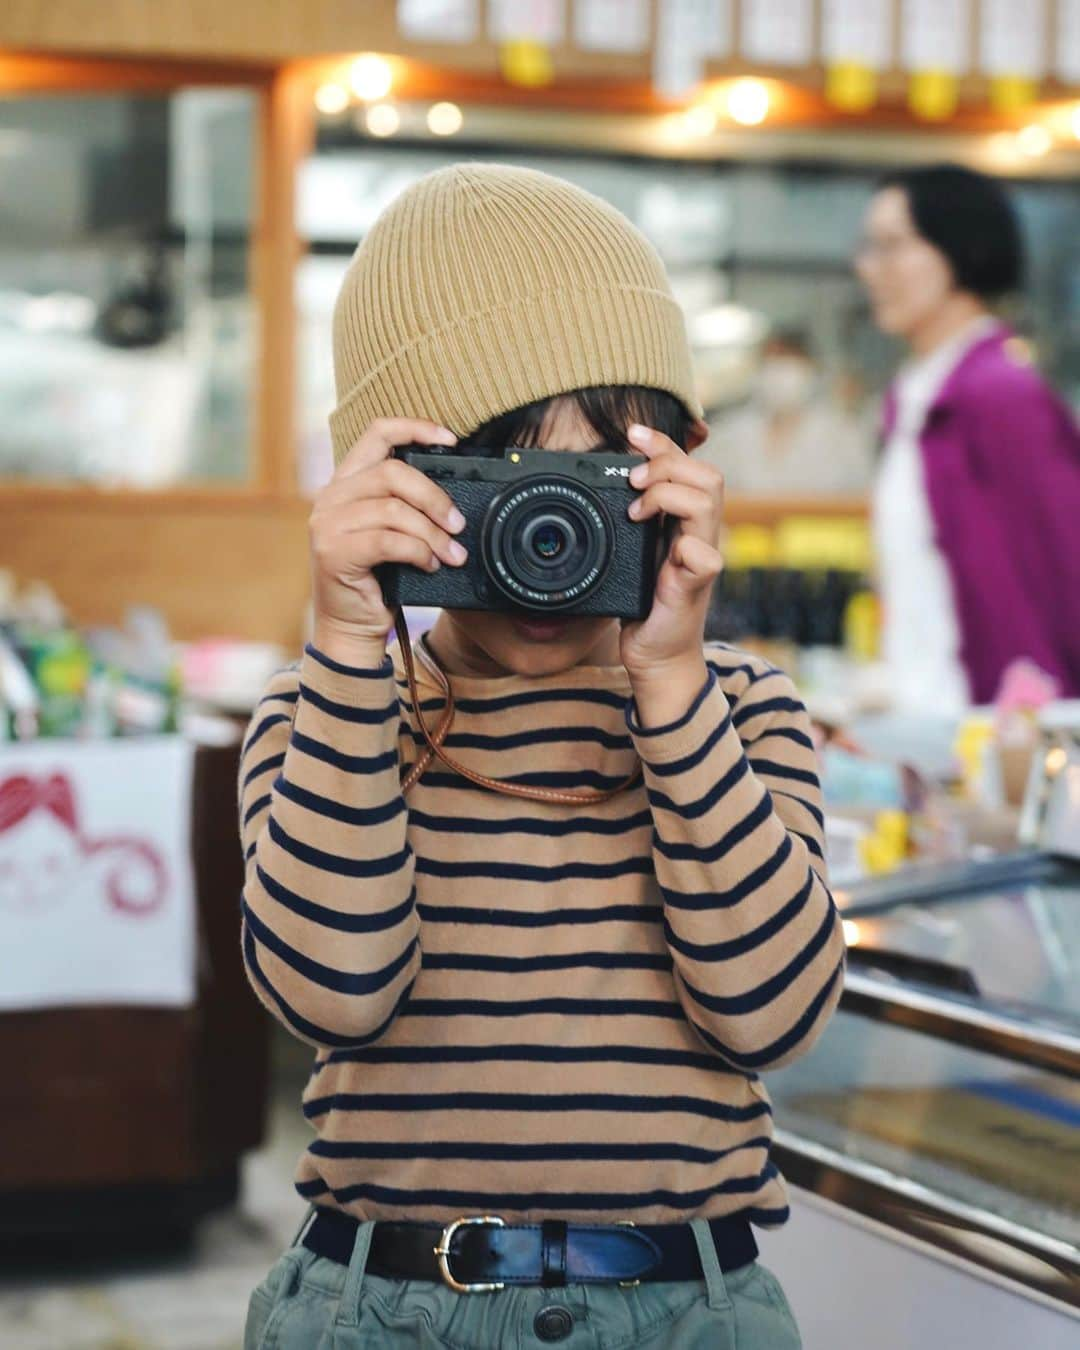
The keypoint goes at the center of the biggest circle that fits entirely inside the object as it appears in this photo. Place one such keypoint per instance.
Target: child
(547, 1015)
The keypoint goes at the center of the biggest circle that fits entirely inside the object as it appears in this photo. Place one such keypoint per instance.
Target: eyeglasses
(883, 248)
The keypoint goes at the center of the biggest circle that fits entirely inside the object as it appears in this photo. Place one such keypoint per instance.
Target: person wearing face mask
(977, 501)
(789, 439)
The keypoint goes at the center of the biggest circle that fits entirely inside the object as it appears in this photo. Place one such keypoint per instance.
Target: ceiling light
(1034, 140)
(748, 102)
(371, 77)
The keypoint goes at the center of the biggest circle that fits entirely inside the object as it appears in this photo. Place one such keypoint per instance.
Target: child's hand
(671, 637)
(375, 509)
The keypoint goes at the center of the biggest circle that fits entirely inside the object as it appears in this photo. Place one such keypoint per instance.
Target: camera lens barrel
(547, 542)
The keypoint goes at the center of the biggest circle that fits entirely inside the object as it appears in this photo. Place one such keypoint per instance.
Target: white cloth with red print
(97, 896)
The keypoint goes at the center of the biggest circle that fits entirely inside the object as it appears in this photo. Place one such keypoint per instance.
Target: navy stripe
(275, 720)
(563, 1007)
(692, 810)
(815, 812)
(738, 1005)
(260, 804)
(345, 712)
(530, 965)
(301, 1025)
(633, 719)
(537, 698)
(787, 734)
(352, 983)
(274, 762)
(529, 1054)
(760, 1059)
(673, 767)
(751, 672)
(386, 666)
(640, 865)
(745, 942)
(711, 853)
(767, 705)
(365, 764)
(554, 829)
(547, 1152)
(365, 816)
(488, 1201)
(770, 766)
(811, 843)
(331, 862)
(734, 895)
(249, 852)
(511, 918)
(618, 1102)
(527, 739)
(339, 920)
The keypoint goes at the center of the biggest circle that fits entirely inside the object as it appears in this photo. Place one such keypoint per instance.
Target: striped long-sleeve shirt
(528, 1008)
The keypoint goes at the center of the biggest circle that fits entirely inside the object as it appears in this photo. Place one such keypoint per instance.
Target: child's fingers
(703, 562)
(381, 436)
(697, 510)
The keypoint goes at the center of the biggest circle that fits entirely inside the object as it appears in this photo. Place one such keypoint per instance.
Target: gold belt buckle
(442, 1251)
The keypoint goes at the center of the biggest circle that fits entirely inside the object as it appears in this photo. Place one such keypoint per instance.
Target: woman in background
(977, 503)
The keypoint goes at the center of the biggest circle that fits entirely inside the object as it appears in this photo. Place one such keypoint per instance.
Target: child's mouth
(540, 629)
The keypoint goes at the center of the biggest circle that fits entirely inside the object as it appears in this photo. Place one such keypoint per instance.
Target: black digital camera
(547, 532)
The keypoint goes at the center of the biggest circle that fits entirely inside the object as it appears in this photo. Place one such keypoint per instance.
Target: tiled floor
(192, 1300)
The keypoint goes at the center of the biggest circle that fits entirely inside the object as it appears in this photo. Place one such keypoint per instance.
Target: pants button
(553, 1323)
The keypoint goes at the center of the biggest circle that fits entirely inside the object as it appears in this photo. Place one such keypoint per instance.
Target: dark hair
(609, 409)
(969, 217)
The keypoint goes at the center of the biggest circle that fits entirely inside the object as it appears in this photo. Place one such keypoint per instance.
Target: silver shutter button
(553, 1323)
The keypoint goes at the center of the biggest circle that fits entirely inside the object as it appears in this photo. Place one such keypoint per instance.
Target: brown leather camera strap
(434, 748)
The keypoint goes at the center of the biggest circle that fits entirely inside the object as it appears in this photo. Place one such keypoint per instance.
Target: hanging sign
(778, 33)
(438, 20)
(611, 25)
(935, 47)
(688, 32)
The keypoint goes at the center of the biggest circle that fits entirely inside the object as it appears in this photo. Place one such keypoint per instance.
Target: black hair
(969, 217)
(609, 409)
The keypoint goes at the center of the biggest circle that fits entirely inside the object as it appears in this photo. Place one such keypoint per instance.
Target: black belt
(480, 1253)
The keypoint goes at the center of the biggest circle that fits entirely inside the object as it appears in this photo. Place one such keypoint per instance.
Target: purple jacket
(1001, 457)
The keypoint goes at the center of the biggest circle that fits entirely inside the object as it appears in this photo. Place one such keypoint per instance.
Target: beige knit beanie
(484, 287)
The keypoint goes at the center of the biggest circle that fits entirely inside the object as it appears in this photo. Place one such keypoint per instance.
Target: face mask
(784, 383)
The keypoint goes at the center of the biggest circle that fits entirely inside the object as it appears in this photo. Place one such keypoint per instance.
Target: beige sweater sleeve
(330, 928)
(738, 838)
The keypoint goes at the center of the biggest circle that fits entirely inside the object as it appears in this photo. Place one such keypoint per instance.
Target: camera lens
(546, 538)
(547, 542)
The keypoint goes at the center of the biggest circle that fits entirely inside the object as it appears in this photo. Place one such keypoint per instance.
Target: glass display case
(942, 1104)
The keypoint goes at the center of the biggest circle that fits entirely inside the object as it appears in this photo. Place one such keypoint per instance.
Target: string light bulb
(444, 119)
(700, 120)
(383, 119)
(748, 102)
(331, 99)
(371, 77)
(1034, 140)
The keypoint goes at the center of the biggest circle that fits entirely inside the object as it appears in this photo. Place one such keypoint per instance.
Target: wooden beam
(286, 136)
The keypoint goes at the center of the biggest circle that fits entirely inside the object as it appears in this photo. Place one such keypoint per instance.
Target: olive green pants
(309, 1302)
